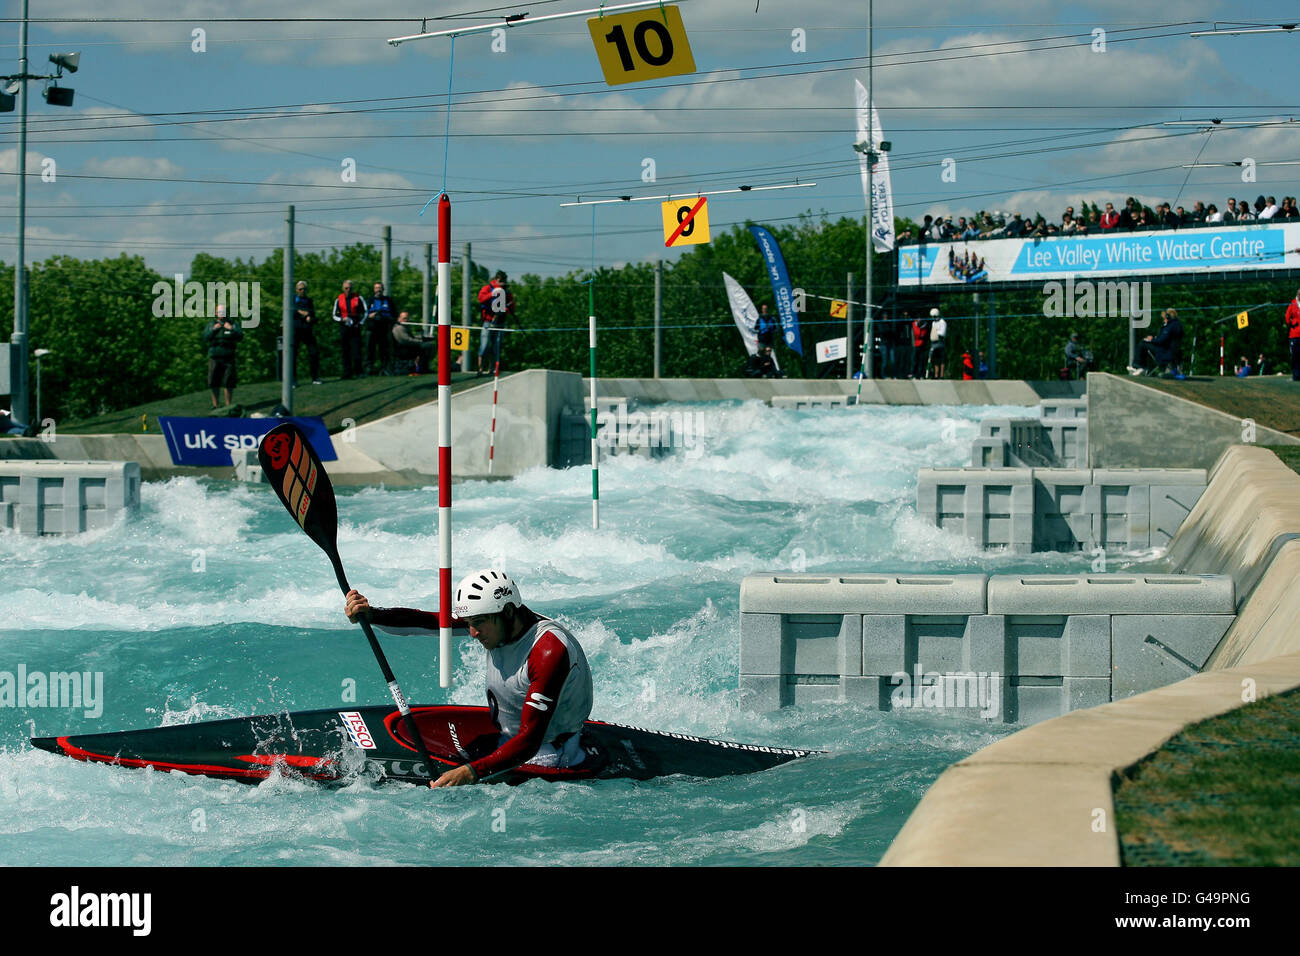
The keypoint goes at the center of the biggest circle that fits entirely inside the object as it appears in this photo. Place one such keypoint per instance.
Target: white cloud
(133, 167)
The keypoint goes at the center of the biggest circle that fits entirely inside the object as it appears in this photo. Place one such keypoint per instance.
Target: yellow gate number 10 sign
(642, 45)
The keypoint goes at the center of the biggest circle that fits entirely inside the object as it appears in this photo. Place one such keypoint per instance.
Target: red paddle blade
(300, 481)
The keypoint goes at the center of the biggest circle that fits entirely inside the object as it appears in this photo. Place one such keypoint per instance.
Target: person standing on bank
(1292, 322)
(221, 337)
(765, 327)
(497, 304)
(538, 683)
(349, 313)
(379, 332)
(304, 331)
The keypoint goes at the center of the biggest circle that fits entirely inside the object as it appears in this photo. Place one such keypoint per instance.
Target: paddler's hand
(460, 777)
(356, 606)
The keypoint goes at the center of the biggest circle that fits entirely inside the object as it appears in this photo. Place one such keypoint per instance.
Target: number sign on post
(642, 45)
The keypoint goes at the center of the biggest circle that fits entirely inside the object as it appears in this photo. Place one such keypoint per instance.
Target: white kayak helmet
(485, 592)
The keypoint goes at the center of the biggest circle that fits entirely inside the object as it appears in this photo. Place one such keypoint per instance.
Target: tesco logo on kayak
(356, 727)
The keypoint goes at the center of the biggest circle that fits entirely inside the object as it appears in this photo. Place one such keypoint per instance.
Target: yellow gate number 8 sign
(642, 45)
(459, 338)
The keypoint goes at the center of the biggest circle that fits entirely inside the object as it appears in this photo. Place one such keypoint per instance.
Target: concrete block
(760, 643)
(1170, 505)
(1038, 699)
(884, 644)
(1060, 594)
(762, 693)
(802, 692)
(1031, 444)
(813, 644)
(1150, 651)
(936, 642)
(1069, 441)
(1063, 408)
(989, 453)
(1062, 518)
(871, 692)
(248, 467)
(863, 594)
(67, 497)
(1058, 645)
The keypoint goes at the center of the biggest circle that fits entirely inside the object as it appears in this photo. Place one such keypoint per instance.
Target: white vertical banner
(882, 208)
(743, 311)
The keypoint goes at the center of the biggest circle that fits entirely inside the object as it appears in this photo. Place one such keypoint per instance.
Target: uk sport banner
(208, 442)
(780, 286)
(882, 207)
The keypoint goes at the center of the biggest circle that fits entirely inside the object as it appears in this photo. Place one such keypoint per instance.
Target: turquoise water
(211, 603)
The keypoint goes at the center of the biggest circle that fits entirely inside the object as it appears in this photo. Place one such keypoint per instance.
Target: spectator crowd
(1091, 220)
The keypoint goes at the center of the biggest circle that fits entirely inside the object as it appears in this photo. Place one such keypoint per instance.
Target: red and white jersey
(539, 690)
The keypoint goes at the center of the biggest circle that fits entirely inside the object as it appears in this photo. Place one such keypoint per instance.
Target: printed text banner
(209, 442)
(1119, 255)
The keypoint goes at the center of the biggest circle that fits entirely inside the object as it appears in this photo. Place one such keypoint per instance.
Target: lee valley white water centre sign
(1168, 251)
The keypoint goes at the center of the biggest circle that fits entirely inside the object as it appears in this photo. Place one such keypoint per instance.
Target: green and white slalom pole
(595, 451)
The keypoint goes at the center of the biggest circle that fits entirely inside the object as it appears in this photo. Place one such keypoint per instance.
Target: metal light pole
(868, 352)
(18, 402)
(55, 96)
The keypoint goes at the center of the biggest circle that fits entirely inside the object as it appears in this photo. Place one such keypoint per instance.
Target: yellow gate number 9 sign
(642, 45)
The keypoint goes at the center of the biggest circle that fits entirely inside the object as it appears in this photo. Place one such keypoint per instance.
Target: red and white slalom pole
(492, 438)
(444, 440)
(1220, 355)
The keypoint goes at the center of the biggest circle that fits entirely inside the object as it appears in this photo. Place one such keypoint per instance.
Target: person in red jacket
(1293, 334)
(349, 313)
(920, 347)
(497, 304)
(967, 367)
(1109, 218)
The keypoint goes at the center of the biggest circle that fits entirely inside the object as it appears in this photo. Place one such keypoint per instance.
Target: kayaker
(538, 682)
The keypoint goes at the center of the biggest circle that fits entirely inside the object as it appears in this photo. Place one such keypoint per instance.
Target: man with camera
(221, 337)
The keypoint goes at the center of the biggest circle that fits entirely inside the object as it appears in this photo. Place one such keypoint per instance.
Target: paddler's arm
(402, 621)
(548, 669)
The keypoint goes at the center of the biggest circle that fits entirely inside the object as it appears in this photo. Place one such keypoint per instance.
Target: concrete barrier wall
(529, 408)
(1044, 795)
(1247, 525)
(1016, 648)
(1131, 425)
(66, 497)
(1038, 793)
(874, 391)
(1059, 509)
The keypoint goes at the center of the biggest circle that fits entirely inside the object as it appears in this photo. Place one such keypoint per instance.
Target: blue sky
(190, 152)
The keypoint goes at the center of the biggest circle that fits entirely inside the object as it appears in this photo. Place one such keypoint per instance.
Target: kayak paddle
(300, 480)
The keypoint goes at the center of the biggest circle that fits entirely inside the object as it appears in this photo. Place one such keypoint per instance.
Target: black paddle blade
(299, 478)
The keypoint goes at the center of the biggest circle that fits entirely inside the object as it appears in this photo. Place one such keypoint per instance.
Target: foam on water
(212, 604)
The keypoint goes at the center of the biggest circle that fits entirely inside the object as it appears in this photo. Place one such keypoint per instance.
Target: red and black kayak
(338, 746)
